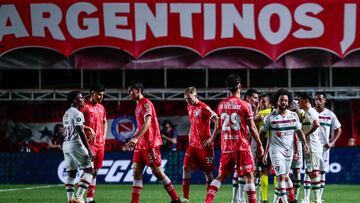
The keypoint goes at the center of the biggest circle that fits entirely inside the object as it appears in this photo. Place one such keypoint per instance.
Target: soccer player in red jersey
(95, 129)
(235, 115)
(146, 141)
(197, 155)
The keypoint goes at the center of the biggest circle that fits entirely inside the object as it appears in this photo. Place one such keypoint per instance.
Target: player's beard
(283, 107)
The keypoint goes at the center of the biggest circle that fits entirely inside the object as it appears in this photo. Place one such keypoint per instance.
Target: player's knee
(89, 170)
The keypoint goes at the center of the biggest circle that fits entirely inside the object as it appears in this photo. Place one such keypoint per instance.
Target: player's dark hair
(72, 95)
(268, 95)
(97, 88)
(57, 128)
(233, 82)
(135, 84)
(320, 93)
(250, 92)
(282, 92)
(305, 95)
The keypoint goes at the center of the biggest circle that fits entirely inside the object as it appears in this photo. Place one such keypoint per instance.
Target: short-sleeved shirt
(95, 116)
(328, 123)
(234, 113)
(314, 139)
(72, 118)
(200, 116)
(282, 128)
(152, 137)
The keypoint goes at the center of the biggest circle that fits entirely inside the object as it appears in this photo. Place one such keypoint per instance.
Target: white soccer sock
(297, 184)
(69, 185)
(84, 184)
(316, 188)
(241, 189)
(307, 187)
(235, 189)
(323, 178)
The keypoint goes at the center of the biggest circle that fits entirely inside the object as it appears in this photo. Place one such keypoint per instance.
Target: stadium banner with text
(23, 168)
(203, 26)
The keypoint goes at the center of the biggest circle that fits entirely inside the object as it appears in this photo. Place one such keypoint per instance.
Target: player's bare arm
(255, 134)
(131, 144)
(337, 134)
(92, 132)
(80, 129)
(264, 160)
(214, 133)
(303, 140)
(315, 125)
(105, 128)
(296, 155)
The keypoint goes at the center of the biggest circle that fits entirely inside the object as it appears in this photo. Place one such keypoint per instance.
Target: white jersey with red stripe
(328, 123)
(72, 118)
(282, 128)
(314, 138)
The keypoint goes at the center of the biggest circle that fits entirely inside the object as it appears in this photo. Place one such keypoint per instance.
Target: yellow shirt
(263, 114)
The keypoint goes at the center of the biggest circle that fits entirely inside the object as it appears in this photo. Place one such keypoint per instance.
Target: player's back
(234, 113)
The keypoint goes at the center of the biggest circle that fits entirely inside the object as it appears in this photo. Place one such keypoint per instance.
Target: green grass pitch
(154, 193)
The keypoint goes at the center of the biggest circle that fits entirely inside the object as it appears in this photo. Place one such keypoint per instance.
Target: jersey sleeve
(266, 125)
(335, 124)
(313, 116)
(248, 112)
(146, 108)
(209, 112)
(297, 122)
(79, 119)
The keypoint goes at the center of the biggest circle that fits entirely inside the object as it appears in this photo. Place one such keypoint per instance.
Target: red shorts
(199, 158)
(150, 157)
(99, 156)
(242, 160)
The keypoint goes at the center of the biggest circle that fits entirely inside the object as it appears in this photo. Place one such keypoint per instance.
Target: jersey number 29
(234, 118)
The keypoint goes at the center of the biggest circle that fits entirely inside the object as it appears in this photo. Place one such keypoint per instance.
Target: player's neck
(282, 112)
(320, 109)
(307, 107)
(140, 97)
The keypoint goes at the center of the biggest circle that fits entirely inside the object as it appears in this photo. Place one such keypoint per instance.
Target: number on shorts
(234, 118)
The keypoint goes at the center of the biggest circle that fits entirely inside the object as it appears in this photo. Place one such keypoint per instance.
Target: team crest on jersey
(146, 105)
(197, 113)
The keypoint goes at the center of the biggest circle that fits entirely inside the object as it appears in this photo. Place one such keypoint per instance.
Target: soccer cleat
(176, 201)
(78, 200)
(185, 201)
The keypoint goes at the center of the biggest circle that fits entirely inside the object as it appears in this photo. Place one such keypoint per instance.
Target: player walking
(235, 115)
(146, 141)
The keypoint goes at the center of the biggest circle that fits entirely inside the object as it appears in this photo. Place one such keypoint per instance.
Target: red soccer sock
(251, 192)
(213, 188)
(170, 188)
(136, 191)
(90, 192)
(290, 194)
(186, 187)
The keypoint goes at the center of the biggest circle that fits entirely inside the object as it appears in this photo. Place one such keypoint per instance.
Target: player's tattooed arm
(215, 132)
(80, 129)
(144, 128)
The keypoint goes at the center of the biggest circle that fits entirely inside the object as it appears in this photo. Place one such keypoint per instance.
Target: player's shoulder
(73, 112)
(312, 111)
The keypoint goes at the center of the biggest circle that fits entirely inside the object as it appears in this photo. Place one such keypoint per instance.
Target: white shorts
(280, 163)
(312, 161)
(299, 162)
(324, 161)
(76, 156)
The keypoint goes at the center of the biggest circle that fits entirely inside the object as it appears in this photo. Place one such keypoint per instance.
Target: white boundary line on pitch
(29, 188)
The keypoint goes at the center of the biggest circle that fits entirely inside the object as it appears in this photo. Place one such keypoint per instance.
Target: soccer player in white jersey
(310, 126)
(77, 153)
(282, 124)
(330, 131)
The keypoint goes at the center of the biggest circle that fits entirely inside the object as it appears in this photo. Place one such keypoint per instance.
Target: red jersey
(200, 116)
(234, 113)
(152, 137)
(95, 115)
